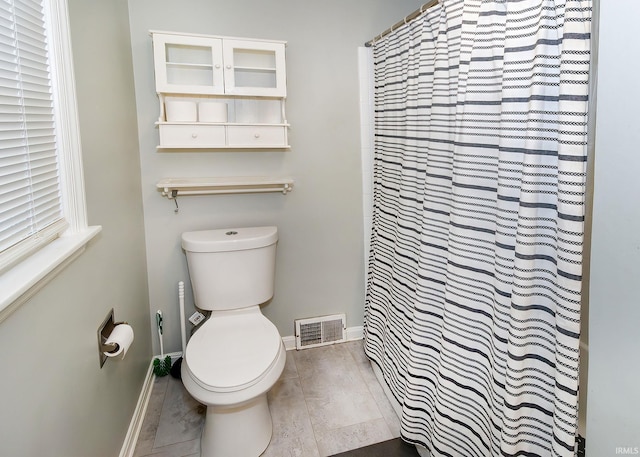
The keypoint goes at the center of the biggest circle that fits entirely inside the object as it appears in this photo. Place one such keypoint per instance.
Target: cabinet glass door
(189, 65)
(254, 68)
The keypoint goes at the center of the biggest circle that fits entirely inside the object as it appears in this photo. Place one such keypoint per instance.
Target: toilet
(237, 355)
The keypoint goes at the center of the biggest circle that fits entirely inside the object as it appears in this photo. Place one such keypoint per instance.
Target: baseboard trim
(174, 356)
(131, 439)
(289, 342)
(353, 333)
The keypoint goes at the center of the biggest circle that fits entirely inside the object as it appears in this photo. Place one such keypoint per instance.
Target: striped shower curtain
(473, 294)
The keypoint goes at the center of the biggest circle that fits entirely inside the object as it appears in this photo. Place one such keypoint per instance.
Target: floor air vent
(320, 331)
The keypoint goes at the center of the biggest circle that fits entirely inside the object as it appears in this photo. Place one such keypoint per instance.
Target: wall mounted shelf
(220, 92)
(178, 187)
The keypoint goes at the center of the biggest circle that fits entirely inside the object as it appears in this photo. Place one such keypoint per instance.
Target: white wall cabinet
(220, 93)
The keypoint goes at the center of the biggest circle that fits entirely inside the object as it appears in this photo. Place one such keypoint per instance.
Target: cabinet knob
(194, 135)
(256, 135)
(228, 67)
(217, 65)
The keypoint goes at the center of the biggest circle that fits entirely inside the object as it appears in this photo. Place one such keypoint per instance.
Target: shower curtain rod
(409, 18)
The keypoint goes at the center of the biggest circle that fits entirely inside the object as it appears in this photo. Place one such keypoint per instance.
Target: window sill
(24, 280)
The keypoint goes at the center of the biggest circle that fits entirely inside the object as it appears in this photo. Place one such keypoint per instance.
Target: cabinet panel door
(188, 65)
(254, 68)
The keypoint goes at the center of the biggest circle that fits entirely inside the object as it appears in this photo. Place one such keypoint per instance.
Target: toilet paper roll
(181, 111)
(212, 112)
(122, 335)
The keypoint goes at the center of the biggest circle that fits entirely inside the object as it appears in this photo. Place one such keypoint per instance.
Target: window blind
(30, 201)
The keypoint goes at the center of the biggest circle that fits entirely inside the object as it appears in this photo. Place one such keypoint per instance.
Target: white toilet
(237, 355)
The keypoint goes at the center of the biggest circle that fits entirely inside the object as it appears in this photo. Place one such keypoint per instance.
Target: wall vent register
(320, 331)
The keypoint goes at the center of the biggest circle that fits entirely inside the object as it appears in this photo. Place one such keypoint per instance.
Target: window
(42, 212)
(31, 206)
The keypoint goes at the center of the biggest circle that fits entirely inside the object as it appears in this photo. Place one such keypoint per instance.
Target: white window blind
(30, 202)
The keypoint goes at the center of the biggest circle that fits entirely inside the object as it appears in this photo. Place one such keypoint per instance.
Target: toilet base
(237, 431)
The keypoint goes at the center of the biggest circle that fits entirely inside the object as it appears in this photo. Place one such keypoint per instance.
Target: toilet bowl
(237, 355)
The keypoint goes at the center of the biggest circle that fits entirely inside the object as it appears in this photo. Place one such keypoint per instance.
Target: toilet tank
(231, 268)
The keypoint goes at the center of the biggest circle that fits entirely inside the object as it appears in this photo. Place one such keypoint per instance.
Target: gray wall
(56, 401)
(64, 405)
(319, 262)
(613, 419)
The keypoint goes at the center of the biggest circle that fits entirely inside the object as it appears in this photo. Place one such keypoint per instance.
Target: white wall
(319, 262)
(56, 401)
(613, 408)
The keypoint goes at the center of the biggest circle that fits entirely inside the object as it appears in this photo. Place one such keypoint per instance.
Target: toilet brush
(176, 371)
(161, 366)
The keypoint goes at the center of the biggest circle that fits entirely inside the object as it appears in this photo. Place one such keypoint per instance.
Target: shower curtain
(473, 292)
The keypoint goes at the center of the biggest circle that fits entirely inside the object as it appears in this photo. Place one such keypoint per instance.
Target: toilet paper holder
(104, 331)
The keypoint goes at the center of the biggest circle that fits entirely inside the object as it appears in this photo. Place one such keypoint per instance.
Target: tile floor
(327, 401)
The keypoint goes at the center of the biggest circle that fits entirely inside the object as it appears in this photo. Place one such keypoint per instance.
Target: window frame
(23, 280)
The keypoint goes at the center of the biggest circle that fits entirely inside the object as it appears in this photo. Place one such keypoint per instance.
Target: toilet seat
(232, 352)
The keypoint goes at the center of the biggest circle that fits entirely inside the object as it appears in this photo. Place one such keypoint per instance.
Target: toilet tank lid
(232, 239)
